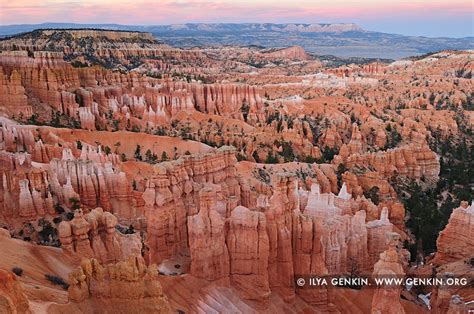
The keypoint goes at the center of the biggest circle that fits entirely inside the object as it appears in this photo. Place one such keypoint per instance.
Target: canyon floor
(138, 177)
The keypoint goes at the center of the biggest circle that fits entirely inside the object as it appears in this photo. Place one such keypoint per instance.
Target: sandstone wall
(456, 241)
(128, 286)
(94, 235)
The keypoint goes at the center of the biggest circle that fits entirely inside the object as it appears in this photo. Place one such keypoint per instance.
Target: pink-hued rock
(210, 262)
(12, 295)
(456, 241)
(291, 53)
(279, 226)
(330, 138)
(248, 245)
(386, 298)
(240, 231)
(376, 240)
(356, 144)
(444, 299)
(87, 118)
(457, 305)
(12, 94)
(93, 183)
(173, 194)
(413, 161)
(94, 235)
(122, 287)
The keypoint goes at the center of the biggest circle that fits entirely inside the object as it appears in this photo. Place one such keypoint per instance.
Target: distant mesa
(337, 39)
(87, 33)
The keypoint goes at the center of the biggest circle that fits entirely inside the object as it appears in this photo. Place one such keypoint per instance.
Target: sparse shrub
(59, 209)
(263, 176)
(373, 194)
(75, 203)
(255, 156)
(328, 154)
(150, 157)
(70, 216)
(79, 64)
(137, 154)
(271, 159)
(241, 157)
(287, 152)
(47, 233)
(17, 271)
(55, 280)
(341, 169)
(310, 159)
(125, 230)
(164, 156)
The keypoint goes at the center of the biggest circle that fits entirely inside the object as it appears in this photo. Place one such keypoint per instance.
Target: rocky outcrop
(386, 298)
(228, 100)
(128, 286)
(356, 144)
(296, 53)
(411, 161)
(456, 241)
(377, 233)
(260, 252)
(23, 189)
(87, 118)
(279, 225)
(248, 245)
(330, 138)
(93, 183)
(12, 296)
(239, 252)
(12, 95)
(457, 305)
(174, 191)
(92, 179)
(108, 47)
(309, 257)
(210, 262)
(94, 235)
(244, 227)
(350, 242)
(444, 298)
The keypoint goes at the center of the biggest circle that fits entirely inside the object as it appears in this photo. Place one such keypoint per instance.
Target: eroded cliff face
(130, 143)
(392, 264)
(108, 48)
(94, 98)
(413, 162)
(208, 262)
(37, 177)
(94, 235)
(295, 53)
(455, 242)
(174, 193)
(12, 296)
(129, 286)
(285, 231)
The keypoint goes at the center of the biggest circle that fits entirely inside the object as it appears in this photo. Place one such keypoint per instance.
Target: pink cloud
(175, 11)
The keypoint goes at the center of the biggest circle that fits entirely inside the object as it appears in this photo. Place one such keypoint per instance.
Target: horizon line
(233, 23)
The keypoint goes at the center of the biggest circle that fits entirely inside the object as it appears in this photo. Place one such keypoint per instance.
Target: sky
(433, 18)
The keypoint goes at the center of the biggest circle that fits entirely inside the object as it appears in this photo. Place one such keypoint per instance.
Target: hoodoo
(139, 177)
